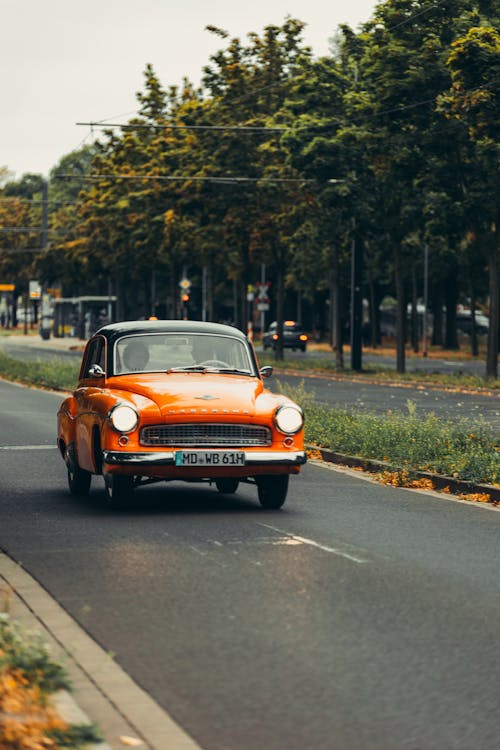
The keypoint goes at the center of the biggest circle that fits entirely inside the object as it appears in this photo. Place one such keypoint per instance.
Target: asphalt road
(359, 616)
(346, 394)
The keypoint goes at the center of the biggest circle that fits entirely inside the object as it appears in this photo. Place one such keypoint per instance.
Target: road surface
(359, 616)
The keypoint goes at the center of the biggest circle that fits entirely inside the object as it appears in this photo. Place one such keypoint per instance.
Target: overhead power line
(191, 178)
(169, 126)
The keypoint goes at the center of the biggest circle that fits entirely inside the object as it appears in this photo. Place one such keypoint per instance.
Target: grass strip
(56, 374)
(463, 449)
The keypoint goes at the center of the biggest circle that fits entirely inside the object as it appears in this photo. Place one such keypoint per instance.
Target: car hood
(203, 392)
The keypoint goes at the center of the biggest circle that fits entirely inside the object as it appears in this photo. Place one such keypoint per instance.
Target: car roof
(114, 331)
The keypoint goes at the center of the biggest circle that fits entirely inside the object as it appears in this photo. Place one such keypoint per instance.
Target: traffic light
(185, 297)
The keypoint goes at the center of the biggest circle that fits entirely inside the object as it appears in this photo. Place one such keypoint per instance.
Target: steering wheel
(215, 363)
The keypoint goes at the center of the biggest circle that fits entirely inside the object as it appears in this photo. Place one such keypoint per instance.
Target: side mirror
(96, 371)
(266, 372)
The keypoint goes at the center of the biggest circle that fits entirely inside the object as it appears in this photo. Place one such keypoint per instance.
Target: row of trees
(385, 146)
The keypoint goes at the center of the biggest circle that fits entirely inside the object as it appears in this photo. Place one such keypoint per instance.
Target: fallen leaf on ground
(131, 741)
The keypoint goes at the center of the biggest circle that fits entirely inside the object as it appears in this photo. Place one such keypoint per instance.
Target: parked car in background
(464, 322)
(294, 337)
(177, 400)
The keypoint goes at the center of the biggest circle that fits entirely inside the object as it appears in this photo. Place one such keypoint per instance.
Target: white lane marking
(28, 447)
(304, 540)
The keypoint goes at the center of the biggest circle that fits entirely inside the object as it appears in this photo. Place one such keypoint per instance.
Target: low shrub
(28, 677)
(56, 373)
(468, 450)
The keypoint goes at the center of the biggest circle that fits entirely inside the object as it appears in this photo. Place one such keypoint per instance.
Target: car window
(162, 352)
(95, 356)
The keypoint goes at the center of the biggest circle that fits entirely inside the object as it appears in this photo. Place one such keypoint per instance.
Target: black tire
(272, 490)
(227, 486)
(78, 479)
(119, 490)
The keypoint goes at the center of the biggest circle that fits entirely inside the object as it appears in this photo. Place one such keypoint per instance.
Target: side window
(95, 356)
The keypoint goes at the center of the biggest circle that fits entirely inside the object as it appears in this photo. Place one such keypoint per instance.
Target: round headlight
(124, 418)
(289, 419)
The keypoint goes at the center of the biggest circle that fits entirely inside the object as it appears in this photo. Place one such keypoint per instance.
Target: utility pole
(426, 298)
(356, 300)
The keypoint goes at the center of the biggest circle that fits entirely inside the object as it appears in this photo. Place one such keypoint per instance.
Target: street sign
(185, 284)
(35, 290)
(263, 306)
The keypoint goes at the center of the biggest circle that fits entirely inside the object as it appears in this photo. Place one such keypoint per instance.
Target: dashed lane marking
(326, 548)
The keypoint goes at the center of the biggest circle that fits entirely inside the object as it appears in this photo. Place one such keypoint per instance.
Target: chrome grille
(200, 434)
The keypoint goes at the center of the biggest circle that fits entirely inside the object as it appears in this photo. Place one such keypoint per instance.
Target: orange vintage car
(177, 400)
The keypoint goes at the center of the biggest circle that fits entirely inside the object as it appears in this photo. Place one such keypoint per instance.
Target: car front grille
(200, 434)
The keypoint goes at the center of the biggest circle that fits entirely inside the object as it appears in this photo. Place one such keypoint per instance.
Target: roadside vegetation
(465, 450)
(56, 374)
(29, 678)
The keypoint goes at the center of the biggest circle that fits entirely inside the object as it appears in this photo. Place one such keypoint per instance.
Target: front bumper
(167, 458)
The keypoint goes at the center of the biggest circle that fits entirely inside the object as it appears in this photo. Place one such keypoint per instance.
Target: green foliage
(26, 651)
(76, 736)
(56, 374)
(395, 134)
(466, 449)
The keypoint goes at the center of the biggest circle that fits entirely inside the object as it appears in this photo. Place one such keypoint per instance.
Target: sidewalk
(35, 340)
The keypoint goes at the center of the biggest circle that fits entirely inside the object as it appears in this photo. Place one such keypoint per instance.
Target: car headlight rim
(123, 418)
(289, 419)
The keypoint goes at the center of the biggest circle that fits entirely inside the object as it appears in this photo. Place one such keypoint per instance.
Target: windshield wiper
(233, 371)
(189, 368)
(205, 368)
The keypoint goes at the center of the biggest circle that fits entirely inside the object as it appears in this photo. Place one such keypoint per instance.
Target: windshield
(173, 351)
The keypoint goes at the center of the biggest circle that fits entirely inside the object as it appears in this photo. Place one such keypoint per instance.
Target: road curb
(440, 482)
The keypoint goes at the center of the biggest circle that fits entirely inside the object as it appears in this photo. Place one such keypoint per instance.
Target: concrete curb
(456, 486)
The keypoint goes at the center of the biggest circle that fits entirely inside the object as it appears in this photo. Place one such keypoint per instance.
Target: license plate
(209, 458)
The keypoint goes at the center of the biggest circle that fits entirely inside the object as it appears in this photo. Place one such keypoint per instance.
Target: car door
(86, 396)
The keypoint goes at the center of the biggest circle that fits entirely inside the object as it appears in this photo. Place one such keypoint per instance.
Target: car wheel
(119, 490)
(78, 479)
(227, 486)
(272, 491)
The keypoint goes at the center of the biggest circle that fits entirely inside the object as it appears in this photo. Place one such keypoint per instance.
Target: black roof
(114, 331)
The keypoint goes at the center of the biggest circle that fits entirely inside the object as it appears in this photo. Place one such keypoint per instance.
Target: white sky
(63, 61)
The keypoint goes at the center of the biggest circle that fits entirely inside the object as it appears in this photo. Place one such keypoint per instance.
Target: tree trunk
(414, 309)
(437, 316)
(336, 314)
(400, 310)
(374, 315)
(494, 312)
(473, 334)
(451, 296)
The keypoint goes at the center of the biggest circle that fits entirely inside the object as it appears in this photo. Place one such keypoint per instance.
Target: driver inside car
(135, 356)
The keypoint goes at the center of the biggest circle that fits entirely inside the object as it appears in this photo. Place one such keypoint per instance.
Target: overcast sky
(63, 62)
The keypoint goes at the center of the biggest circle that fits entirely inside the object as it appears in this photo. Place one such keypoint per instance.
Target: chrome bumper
(167, 458)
